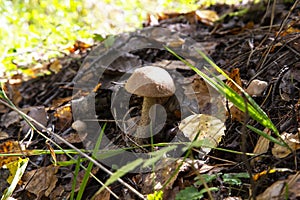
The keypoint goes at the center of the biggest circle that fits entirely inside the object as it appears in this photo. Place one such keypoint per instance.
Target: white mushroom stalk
(155, 85)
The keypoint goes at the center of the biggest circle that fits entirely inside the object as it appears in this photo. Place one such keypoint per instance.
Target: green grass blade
(265, 135)
(90, 165)
(122, 171)
(253, 109)
(157, 155)
(77, 168)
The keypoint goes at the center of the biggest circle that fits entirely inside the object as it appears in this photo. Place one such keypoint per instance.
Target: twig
(73, 147)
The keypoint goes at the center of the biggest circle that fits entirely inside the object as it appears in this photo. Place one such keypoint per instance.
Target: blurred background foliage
(35, 30)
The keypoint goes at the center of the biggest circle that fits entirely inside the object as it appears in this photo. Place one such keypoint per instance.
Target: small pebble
(256, 87)
(79, 126)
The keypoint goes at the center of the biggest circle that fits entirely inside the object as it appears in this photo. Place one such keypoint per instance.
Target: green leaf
(206, 177)
(157, 155)
(234, 178)
(265, 135)
(191, 193)
(98, 37)
(109, 41)
(122, 171)
(104, 154)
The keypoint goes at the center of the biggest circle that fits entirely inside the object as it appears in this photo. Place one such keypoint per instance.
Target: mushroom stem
(147, 104)
(143, 129)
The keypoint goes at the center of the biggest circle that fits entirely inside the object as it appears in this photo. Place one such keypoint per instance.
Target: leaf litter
(241, 43)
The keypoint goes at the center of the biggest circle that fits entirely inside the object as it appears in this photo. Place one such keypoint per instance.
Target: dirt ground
(260, 44)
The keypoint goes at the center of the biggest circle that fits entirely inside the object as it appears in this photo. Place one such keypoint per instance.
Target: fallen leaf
(64, 117)
(55, 66)
(103, 195)
(52, 153)
(57, 193)
(235, 113)
(294, 186)
(9, 119)
(10, 147)
(262, 145)
(207, 17)
(60, 101)
(39, 114)
(11, 89)
(42, 181)
(201, 127)
(292, 141)
(167, 169)
(235, 76)
(3, 135)
(16, 170)
(208, 100)
(278, 189)
(75, 137)
(78, 45)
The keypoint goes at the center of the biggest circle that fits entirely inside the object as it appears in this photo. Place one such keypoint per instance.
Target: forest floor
(82, 92)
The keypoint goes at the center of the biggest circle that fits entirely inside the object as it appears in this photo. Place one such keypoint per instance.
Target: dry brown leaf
(42, 181)
(278, 189)
(200, 88)
(52, 152)
(207, 17)
(232, 198)
(209, 101)
(55, 66)
(64, 117)
(57, 193)
(39, 114)
(262, 145)
(293, 142)
(11, 89)
(78, 45)
(103, 195)
(156, 180)
(60, 101)
(10, 147)
(79, 179)
(294, 186)
(3, 135)
(235, 76)
(75, 137)
(10, 118)
(235, 113)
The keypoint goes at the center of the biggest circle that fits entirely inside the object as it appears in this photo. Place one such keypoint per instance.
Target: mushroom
(155, 85)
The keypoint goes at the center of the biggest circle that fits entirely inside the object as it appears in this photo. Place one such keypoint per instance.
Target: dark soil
(246, 42)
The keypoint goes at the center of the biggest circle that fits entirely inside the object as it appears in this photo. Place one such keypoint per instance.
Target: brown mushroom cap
(150, 82)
